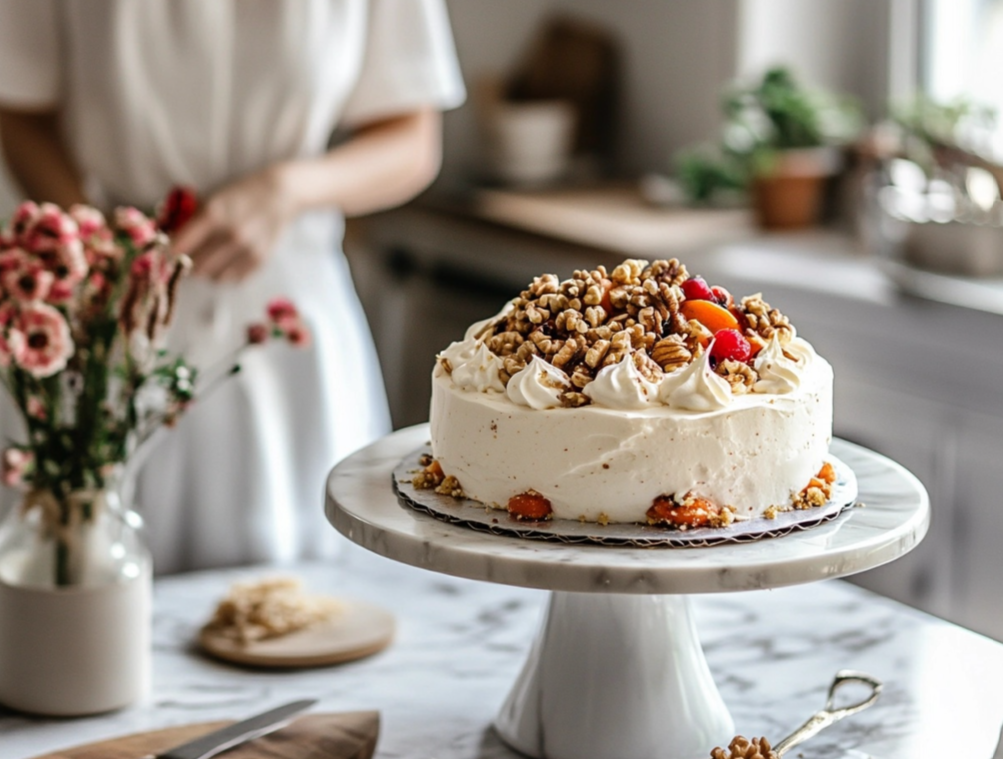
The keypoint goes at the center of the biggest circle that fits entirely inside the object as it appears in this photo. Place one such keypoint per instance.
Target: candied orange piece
(530, 506)
(435, 469)
(711, 315)
(696, 512)
(827, 473)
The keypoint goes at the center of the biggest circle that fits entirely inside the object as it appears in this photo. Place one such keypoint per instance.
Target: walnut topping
(740, 376)
(671, 352)
(765, 321)
(596, 318)
(742, 748)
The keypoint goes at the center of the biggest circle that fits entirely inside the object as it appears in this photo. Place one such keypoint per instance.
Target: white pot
(530, 142)
(77, 650)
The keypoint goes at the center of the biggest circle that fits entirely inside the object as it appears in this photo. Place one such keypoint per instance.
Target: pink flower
(14, 464)
(29, 281)
(141, 229)
(36, 408)
(90, 222)
(257, 333)
(24, 219)
(282, 311)
(12, 258)
(40, 340)
(298, 335)
(49, 230)
(143, 265)
(7, 313)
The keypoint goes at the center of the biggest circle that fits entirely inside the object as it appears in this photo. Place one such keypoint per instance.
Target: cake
(637, 395)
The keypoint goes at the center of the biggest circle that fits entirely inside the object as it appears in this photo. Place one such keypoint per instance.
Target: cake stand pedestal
(617, 670)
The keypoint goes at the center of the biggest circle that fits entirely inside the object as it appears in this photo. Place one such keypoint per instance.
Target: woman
(115, 101)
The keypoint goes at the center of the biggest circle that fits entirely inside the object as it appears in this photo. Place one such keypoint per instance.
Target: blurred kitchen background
(839, 155)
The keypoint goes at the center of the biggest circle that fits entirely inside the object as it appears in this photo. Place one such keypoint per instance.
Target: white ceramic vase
(77, 641)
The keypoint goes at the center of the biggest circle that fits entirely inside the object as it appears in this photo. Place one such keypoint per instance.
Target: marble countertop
(461, 643)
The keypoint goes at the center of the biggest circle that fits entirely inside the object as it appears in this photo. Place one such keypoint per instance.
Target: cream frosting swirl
(481, 371)
(621, 386)
(455, 355)
(777, 373)
(801, 350)
(695, 387)
(538, 385)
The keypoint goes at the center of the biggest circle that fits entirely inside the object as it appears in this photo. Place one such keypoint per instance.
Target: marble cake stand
(617, 670)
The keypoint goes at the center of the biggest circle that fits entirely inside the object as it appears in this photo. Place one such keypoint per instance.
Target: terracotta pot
(790, 195)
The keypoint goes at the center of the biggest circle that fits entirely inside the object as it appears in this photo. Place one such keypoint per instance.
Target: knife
(233, 735)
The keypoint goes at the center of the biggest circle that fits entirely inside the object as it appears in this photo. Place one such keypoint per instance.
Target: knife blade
(233, 735)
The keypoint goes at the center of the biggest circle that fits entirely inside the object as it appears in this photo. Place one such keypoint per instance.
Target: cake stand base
(615, 677)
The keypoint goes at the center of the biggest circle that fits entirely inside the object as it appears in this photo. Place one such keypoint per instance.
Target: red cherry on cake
(695, 288)
(722, 296)
(730, 343)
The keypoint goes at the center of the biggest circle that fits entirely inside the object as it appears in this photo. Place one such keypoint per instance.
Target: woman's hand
(235, 231)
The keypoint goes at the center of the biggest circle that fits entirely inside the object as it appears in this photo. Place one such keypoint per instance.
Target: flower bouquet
(85, 303)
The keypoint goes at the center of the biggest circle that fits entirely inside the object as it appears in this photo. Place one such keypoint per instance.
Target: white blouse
(164, 92)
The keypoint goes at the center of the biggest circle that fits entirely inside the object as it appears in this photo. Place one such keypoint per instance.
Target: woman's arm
(37, 157)
(382, 165)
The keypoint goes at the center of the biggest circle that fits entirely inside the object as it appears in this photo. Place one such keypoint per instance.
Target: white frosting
(801, 350)
(595, 460)
(455, 355)
(777, 373)
(538, 386)
(479, 372)
(696, 387)
(621, 386)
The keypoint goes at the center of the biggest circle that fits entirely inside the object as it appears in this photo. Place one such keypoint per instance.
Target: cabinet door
(910, 431)
(978, 556)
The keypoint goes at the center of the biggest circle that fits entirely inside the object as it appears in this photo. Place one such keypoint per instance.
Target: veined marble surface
(461, 644)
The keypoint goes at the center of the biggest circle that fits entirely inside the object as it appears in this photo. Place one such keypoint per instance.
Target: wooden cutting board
(316, 736)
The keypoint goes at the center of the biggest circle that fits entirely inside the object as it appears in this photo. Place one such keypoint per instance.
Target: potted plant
(781, 141)
(84, 307)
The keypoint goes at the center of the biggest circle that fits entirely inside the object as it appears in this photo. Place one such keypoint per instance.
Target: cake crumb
(602, 519)
(771, 512)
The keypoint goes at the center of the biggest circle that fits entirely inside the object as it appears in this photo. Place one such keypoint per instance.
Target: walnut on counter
(742, 748)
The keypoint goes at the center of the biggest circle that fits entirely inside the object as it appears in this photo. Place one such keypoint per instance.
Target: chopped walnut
(574, 399)
(810, 497)
(766, 321)
(742, 748)
(740, 376)
(818, 491)
(671, 352)
(430, 477)
(450, 486)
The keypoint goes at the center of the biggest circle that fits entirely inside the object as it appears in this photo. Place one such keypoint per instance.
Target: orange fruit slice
(711, 315)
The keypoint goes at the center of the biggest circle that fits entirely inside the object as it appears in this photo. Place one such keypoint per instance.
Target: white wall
(836, 44)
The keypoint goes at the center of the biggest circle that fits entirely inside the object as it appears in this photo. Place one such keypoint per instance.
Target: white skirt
(241, 478)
